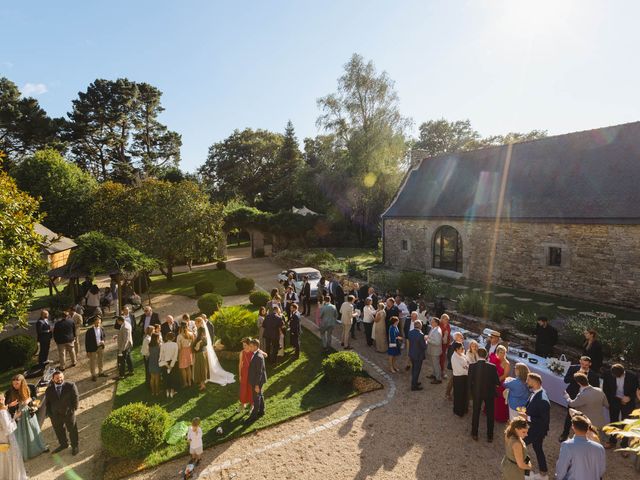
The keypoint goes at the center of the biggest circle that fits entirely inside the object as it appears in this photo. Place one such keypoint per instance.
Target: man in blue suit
(257, 378)
(417, 353)
(538, 415)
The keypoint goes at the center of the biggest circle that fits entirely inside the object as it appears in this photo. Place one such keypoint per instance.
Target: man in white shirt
(94, 345)
(368, 316)
(346, 316)
(434, 350)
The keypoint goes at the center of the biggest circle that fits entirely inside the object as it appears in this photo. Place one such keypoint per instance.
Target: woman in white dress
(217, 374)
(11, 464)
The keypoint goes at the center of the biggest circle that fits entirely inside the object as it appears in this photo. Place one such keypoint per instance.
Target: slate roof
(53, 243)
(583, 177)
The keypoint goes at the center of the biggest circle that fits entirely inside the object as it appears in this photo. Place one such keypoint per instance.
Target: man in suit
(538, 415)
(64, 334)
(295, 330)
(306, 296)
(129, 317)
(272, 325)
(61, 403)
(328, 320)
(573, 388)
(417, 353)
(94, 345)
(346, 317)
(546, 337)
(339, 298)
(483, 380)
(590, 401)
(125, 344)
(44, 334)
(290, 298)
(169, 326)
(580, 458)
(148, 318)
(621, 388)
(257, 378)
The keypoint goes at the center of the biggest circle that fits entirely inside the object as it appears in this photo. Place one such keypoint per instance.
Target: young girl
(194, 437)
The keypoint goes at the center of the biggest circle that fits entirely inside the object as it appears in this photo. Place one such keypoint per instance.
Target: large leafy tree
(115, 133)
(24, 125)
(21, 266)
(65, 191)
(365, 120)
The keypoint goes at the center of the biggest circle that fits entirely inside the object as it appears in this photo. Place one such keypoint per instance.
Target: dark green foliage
(134, 430)
(259, 298)
(342, 367)
(59, 303)
(525, 322)
(245, 285)
(16, 351)
(209, 303)
(232, 324)
(221, 265)
(203, 286)
(472, 303)
(411, 283)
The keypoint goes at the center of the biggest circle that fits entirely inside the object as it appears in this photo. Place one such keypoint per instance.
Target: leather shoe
(436, 382)
(413, 389)
(74, 451)
(60, 449)
(475, 437)
(94, 378)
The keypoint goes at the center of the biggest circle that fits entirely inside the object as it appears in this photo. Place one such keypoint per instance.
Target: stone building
(559, 215)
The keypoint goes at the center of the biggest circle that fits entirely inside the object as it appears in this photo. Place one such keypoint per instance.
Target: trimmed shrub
(258, 298)
(259, 252)
(232, 324)
(342, 367)
(16, 351)
(134, 430)
(221, 265)
(245, 285)
(203, 286)
(209, 303)
(472, 304)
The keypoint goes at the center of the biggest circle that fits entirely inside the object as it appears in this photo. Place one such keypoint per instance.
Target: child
(194, 437)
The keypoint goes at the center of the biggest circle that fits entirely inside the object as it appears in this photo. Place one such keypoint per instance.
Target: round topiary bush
(245, 285)
(221, 265)
(16, 351)
(209, 303)
(259, 298)
(342, 367)
(134, 430)
(203, 286)
(232, 324)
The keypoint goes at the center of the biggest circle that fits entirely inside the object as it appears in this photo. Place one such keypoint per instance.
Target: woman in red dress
(246, 397)
(499, 359)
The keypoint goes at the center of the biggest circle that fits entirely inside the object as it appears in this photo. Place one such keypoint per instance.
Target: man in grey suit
(434, 350)
(125, 344)
(590, 401)
(417, 353)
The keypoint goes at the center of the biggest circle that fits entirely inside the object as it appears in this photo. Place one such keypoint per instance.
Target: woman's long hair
(515, 424)
(22, 393)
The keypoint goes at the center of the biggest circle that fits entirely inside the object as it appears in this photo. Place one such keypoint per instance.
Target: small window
(405, 245)
(555, 256)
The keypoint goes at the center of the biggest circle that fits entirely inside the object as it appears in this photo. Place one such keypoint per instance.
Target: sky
(507, 65)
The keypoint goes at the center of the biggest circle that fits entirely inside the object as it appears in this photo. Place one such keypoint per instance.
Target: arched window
(447, 249)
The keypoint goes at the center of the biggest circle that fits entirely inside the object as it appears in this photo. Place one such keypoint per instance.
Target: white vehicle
(298, 275)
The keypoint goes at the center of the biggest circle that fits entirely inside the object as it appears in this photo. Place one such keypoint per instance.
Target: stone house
(558, 215)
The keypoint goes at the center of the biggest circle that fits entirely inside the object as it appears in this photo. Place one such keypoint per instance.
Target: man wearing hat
(492, 344)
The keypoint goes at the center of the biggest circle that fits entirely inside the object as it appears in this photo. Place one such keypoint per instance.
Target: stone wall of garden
(600, 263)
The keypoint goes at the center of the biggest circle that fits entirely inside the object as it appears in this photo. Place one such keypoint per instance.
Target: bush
(58, 304)
(221, 265)
(497, 312)
(134, 430)
(472, 303)
(258, 298)
(245, 285)
(433, 288)
(525, 322)
(258, 253)
(203, 286)
(16, 351)
(209, 303)
(411, 283)
(232, 324)
(342, 367)
(315, 259)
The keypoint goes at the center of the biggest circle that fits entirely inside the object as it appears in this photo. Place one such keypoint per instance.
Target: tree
(21, 265)
(244, 166)
(65, 191)
(513, 137)
(115, 134)
(364, 117)
(441, 136)
(24, 125)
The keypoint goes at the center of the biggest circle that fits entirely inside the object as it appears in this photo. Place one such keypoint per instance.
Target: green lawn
(41, 297)
(294, 388)
(183, 283)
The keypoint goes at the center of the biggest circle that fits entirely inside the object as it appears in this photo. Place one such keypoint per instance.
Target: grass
(183, 283)
(294, 388)
(241, 244)
(41, 297)
(363, 258)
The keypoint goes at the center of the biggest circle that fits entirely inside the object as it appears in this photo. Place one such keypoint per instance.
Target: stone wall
(600, 263)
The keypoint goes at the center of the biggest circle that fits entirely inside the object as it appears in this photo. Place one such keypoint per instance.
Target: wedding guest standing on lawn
(185, 354)
(11, 464)
(61, 400)
(295, 330)
(125, 344)
(144, 351)
(328, 320)
(154, 363)
(168, 362)
(257, 379)
(273, 324)
(246, 395)
(262, 313)
(20, 399)
(201, 364)
(169, 326)
(44, 333)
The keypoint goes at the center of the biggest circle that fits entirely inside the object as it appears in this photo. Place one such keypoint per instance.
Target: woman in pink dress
(499, 359)
(185, 355)
(246, 395)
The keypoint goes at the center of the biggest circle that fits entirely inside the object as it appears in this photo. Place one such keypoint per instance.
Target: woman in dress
(394, 344)
(472, 353)
(246, 394)
(11, 463)
(379, 329)
(216, 374)
(191, 324)
(262, 313)
(460, 369)
(185, 355)
(200, 364)
(20, 399)
(593, 348)
(516, 460)
(168, 360)
(518, 390)
(499, 359)
(154, 363)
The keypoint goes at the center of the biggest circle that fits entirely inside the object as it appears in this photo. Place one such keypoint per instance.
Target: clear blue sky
(507, 65)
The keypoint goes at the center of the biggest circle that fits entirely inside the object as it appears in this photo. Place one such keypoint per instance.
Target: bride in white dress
(11, 464)
(217, 374)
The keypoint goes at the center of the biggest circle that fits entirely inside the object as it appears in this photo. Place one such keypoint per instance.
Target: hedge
(16, 351)
(259, 298)
(232, 324)
(245, 285)
(209, 303)
(342, 367)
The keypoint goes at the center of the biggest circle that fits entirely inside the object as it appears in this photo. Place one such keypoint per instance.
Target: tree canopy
(21, 265)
